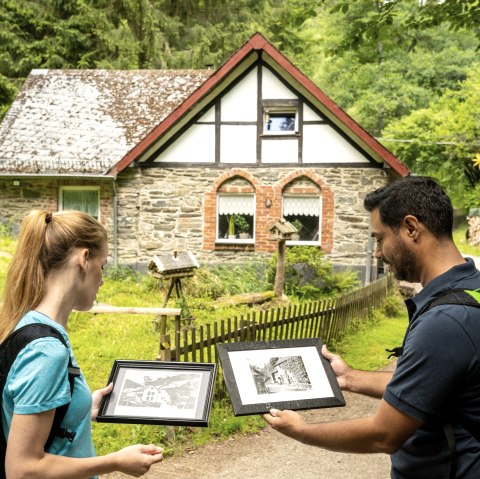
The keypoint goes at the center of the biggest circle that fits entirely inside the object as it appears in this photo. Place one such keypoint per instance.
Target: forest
(407, 70)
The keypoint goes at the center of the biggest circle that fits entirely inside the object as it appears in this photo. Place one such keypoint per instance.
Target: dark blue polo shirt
(438, 374)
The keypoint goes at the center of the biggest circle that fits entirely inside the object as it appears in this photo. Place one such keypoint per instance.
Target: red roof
(258, 43)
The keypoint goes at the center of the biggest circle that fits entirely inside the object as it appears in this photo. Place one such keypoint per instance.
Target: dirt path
(270, 455)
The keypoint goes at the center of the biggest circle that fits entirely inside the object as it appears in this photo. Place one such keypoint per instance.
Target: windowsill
(302, 243)
(235, 241)
(279, 134)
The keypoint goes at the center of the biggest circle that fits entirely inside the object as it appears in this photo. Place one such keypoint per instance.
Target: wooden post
(164, 340)
(280, 274)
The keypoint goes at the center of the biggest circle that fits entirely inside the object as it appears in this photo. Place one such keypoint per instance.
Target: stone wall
(166, 209)
(22, 194)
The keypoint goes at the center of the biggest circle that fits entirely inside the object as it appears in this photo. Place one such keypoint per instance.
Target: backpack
(9, 350)
(452, 296)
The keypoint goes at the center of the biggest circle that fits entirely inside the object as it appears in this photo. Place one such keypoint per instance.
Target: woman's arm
(26, 458)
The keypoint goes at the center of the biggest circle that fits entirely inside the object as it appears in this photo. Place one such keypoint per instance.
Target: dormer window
(280, 117)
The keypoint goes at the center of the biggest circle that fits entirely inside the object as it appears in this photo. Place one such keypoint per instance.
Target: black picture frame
(284, 374)
(159, 392)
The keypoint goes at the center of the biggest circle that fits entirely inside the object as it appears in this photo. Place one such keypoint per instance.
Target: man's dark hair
(419, 196)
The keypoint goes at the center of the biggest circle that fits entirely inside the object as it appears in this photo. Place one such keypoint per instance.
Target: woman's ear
(83, 259)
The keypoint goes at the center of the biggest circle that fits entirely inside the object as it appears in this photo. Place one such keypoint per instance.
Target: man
(437, 379)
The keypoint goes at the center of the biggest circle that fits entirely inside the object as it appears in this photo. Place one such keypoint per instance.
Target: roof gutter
(46, 175)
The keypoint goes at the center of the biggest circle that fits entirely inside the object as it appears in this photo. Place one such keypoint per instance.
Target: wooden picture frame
(288, 374)
(156, 392)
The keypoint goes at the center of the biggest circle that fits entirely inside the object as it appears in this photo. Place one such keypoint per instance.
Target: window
(235, 218)
(82, 198)
(280, 118)
(304, 212)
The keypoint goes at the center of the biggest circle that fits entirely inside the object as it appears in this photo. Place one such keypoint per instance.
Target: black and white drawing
(290, 374)
(154, 392)
(280, 374)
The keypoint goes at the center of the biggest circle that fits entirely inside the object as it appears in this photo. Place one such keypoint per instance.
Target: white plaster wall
(310, 115)
(238, 144)
(240, 104)
(209, 116)
(196, 145)
(274, 89)
(322, 144)
(280, 151)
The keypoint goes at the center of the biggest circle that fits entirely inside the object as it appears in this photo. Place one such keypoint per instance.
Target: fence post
(164, 353)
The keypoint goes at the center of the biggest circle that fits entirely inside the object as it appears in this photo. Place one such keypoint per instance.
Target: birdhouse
(179, 264)
(282, 230)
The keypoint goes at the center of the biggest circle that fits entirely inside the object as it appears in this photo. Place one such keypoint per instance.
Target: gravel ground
(270, 455)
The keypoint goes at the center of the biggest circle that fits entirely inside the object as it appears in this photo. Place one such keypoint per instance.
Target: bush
(308, 275)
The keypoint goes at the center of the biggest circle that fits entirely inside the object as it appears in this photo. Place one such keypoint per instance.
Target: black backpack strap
(60, 412)
(466, 298)
(450, 435)
(10, 349)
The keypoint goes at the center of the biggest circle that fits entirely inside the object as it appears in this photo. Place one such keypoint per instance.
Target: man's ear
(412, 226)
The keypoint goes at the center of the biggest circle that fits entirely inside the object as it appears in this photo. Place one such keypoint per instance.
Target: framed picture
(156, 392)
(290, 374)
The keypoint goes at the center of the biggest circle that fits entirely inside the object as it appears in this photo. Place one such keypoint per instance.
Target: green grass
(459, 236)
(100, 339)
(365, 347)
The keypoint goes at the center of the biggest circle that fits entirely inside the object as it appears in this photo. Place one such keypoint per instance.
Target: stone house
(178, 160)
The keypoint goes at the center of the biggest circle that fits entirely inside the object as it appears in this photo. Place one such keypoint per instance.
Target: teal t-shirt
(38, 381)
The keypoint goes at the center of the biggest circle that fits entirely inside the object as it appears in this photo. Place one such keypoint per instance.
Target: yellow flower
(476, 160)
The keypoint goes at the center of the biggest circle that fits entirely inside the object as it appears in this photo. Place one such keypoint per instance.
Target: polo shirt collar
(445, 281)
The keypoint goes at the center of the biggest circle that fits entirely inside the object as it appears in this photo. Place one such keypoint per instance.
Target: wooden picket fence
(326, 319)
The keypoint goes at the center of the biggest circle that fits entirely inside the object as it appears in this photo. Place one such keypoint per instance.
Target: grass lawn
(100, 339)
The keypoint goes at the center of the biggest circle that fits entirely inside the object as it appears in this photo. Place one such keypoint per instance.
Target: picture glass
(286, 374)
(147, 392)
(156, 392)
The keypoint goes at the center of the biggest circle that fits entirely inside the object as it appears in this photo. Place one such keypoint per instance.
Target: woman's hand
(137, 460)
(97, 399)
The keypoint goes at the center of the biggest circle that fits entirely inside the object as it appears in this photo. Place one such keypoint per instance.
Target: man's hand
(339, 366)
(289, 423)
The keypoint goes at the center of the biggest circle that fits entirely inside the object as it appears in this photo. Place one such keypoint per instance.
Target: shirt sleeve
(437, 356)
(38, 380)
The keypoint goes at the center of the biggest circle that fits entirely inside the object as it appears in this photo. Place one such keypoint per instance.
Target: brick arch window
(235, 212)
(302, 206)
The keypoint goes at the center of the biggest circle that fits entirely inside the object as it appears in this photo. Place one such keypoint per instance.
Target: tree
(442, 140)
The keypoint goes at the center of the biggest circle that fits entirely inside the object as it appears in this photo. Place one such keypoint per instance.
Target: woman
(57, 268)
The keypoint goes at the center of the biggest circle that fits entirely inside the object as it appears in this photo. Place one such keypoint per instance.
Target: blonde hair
(44, 244)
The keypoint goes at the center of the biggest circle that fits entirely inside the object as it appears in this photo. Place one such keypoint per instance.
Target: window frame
(278, 107)
(318, 234)
(220, 240)
(79, 188)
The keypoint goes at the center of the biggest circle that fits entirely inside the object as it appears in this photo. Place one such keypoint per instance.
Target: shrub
(308, 275)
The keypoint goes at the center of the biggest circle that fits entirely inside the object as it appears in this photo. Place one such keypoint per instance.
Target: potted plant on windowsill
(242, 226)
(298, 225)
(231, 227)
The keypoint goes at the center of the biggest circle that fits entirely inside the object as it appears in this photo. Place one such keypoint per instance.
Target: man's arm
(385, 432)
(369, 383)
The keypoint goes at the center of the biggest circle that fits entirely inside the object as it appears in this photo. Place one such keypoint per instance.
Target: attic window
(280, 118)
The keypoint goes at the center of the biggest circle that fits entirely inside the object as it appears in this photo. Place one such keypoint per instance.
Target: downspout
(368, 271)
(115, 222)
